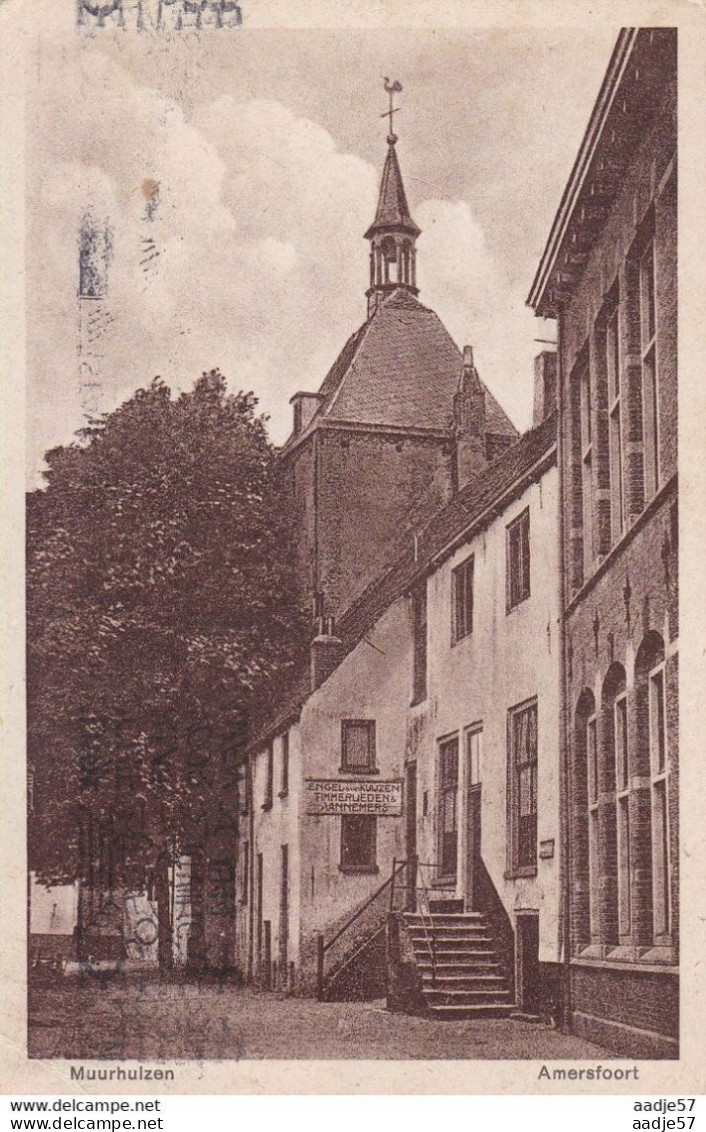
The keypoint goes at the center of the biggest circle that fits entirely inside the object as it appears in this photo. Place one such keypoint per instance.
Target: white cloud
(262, 265)
(461, 281)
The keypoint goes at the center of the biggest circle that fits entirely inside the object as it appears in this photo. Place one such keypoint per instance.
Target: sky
(250, 159)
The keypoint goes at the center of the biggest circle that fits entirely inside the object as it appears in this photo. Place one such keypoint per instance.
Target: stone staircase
(462, 976)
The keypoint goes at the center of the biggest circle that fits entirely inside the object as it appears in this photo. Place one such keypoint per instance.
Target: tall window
(518, 560)
(612, 343)
(448, 807)
(419, 644)
(284, 786)
(270, 778)
(358, 843)
(245, 875)
(474, 753)
(587, 465)
(462, 600)
(622, 787)
(650, 403)
(245, 788)
(660, 814)
(522, 727)
(357, 745)
(593, 860)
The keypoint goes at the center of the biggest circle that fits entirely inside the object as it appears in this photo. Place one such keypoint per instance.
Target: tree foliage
(160, 593)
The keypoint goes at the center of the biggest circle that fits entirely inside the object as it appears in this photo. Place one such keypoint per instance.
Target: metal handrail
(323, 947)
(429, 938)
(399, 865)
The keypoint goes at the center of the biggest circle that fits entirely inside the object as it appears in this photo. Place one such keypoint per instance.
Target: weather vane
(392, 89)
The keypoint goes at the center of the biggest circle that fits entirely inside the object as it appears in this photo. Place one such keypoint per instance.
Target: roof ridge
(363, 331)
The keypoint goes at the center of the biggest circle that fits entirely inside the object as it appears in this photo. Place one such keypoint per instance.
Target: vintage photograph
(351, 541)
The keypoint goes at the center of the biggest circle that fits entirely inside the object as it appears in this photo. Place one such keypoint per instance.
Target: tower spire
(393, 233)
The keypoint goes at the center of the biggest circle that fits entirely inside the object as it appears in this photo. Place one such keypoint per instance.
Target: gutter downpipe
(565, 780)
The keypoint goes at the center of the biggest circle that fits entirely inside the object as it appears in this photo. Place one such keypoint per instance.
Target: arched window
(614, 779)
(652, 754)
(407, 262)
(585, 812)
(389, 254)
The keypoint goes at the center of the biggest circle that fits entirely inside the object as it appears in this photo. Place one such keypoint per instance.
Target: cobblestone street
(155, 1020)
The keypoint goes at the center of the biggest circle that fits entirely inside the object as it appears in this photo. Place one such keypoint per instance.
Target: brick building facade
(609, 277)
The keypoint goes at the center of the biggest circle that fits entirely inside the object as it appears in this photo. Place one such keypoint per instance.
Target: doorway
(473, 743)
(528, 978)
(473, 832)
(410, 793)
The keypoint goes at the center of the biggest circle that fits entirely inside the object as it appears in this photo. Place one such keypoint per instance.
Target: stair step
(444, 967)
(463, 925)
(442, 904)
(443, 917)
(451, 995)
(418, 935)
(464, 947)
(480, 1010)
(465, 981)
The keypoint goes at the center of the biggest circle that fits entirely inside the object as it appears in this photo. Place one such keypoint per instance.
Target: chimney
(544, 385)
(305, 406)
(469, 423)
(326, 651)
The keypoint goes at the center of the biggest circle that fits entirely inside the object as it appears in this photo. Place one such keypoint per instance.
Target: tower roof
(400, 369)
(393, 210)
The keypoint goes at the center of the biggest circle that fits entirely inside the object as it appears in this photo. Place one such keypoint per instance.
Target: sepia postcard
(353, 524)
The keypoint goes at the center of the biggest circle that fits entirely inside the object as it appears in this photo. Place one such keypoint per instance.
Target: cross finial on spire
(392, 88)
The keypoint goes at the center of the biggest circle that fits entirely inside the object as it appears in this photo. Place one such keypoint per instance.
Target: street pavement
(159, 1020)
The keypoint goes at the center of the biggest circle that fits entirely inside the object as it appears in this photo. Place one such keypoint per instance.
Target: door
(473, 819)
(259, 914)
(410, 793)
(474, 748)
(529, 990)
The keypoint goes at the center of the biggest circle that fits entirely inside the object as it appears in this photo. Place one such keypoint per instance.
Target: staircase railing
(323, 947)
(424, 913)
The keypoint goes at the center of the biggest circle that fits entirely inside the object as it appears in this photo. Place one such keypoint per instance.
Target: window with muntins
(660, 812)
(358, 842)
(245, 788)
(518, 560)
(587, 492)
(419, 644)
(615, 439)
(448, 807)
(474, 753)
(650, 389)
(270, 778)
(522, 727)
(284, 783)
(245, 875)
(593, 836)
(462, 600)
(358, 745)
(622, 788)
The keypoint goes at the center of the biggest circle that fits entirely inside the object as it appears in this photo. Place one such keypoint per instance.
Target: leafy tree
(160, 594)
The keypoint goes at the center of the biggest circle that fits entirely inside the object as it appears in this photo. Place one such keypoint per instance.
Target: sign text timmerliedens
(336, 796)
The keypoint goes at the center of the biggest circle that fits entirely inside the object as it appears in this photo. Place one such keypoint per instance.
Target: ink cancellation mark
(158, 15)
(95, 255)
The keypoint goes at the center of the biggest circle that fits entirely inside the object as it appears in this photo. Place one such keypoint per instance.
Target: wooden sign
(336, 796)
